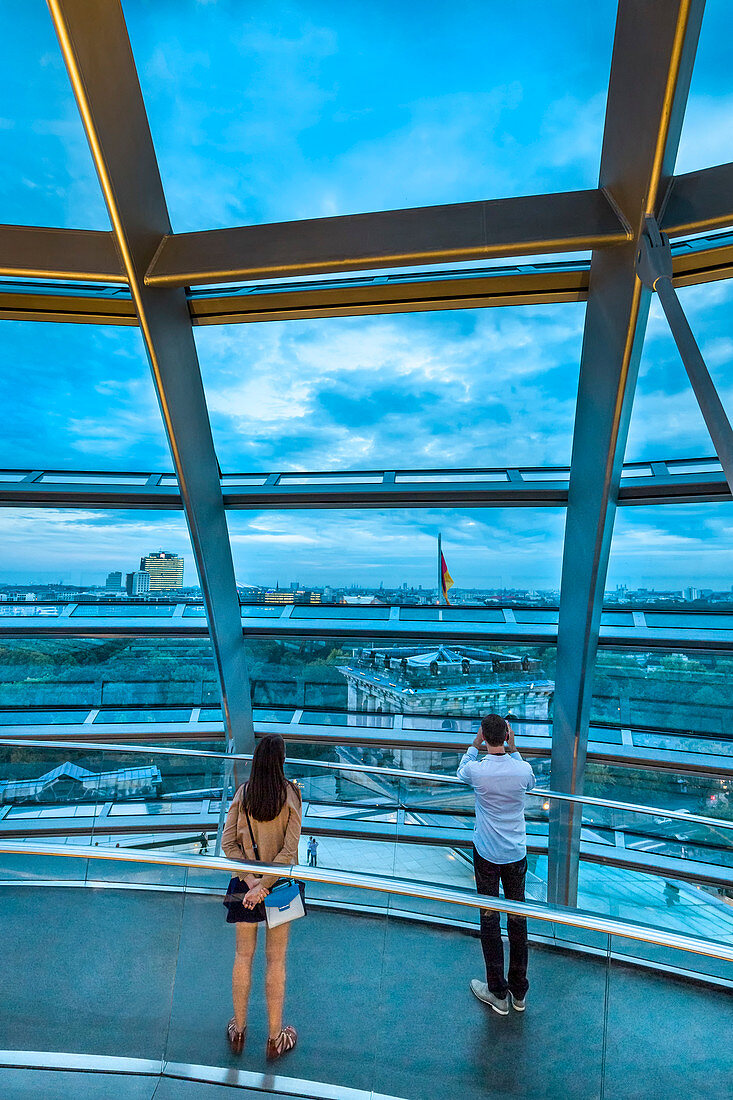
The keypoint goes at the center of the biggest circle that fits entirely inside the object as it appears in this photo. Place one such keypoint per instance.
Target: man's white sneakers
(516, 1003)
(482, 991)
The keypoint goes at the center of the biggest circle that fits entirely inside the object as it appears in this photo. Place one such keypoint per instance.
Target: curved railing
(382, 884)
(387, 807)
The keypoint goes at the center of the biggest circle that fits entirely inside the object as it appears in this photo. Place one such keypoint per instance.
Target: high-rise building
(113, 582)
(138, 583)
(166, 570)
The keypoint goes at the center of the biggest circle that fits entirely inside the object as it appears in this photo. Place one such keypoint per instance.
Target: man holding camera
(500, 780)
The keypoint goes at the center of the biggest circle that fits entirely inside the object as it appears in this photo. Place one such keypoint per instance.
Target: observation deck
(140, 961)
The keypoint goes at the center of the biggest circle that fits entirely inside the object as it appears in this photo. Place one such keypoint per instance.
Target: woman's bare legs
(276, 947)
(242, 972)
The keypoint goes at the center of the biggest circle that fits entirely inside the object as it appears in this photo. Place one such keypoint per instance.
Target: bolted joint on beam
(654, 258)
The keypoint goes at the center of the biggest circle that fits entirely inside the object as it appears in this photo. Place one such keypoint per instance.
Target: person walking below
(312, 852)
(500, 781)
(266, 812)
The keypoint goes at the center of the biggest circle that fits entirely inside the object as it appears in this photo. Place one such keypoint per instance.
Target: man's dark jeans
(512, 875)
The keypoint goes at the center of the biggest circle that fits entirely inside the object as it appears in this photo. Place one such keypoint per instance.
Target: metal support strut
(654, 268)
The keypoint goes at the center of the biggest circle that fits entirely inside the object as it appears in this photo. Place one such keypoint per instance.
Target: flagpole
(440, 570)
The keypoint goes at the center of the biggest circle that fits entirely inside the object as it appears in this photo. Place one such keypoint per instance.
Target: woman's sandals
(282, 1043)
(235, 1037)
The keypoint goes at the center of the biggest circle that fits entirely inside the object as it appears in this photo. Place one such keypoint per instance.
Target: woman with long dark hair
(269, 805)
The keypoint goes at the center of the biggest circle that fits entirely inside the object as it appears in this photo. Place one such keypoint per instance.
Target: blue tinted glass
(666, 422)
(462, 104)
(706, 134)
(78, 397)
(447, 389)
(81, 555)
(678, 553)
(48, 673)
(47, 176)
(42, 717)
(377, 557)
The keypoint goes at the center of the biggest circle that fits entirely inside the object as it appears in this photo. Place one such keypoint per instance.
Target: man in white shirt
(500, 779)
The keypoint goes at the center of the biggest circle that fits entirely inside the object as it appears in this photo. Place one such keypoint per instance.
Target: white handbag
(284, 903)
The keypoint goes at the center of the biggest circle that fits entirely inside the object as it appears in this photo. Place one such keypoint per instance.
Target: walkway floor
(379, 1003)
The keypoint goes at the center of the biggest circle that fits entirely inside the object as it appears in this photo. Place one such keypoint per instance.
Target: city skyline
(663, 547)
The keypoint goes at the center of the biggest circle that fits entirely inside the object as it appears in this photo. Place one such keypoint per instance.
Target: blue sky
(275, 111)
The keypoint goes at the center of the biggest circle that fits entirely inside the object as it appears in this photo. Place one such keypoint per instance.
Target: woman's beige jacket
(277, 840)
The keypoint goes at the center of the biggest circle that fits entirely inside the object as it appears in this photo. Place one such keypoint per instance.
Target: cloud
(471, 388)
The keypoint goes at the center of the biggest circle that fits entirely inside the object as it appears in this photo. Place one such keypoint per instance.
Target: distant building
(166, 570)
(113, 582)
(691, 594)
(300, 596)
(448, 682)
(138, 583)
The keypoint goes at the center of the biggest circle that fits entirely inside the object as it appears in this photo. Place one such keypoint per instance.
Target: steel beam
(30, 252)
(699, 201)
(100, 64)
(653, 55)
(567, 222)
(700, 260)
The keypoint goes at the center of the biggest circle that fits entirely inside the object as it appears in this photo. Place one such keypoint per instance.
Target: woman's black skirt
(237, 911)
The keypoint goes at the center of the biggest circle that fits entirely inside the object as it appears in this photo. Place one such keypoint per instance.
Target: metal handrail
(400, 773)
(574, 918)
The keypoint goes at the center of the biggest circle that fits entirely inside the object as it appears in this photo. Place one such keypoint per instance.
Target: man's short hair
(493, 727)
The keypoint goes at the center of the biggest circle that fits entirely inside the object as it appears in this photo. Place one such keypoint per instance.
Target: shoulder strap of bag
(249, 825)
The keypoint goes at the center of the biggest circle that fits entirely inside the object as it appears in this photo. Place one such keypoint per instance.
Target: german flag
(446, 581)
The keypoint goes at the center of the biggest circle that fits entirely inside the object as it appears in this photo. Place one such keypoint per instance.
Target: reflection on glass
(688, 692)
(49, 672)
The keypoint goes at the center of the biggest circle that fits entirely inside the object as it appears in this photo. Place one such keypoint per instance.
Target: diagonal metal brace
(654, 268)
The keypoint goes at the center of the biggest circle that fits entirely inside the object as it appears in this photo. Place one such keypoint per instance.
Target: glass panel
(89, 555)
(373, 557)
(41, 717)
(445, 690)
(130, 714)
(705, 138)
(666, 422)
(703, 466)
(639, 1005)
(48, 176)
(126, 610)
(672, 555)
(45, 672)
(330, 479)
(107, 418)
(300, 87)
(354, 393)
(535, 615)
(686, 692)
(233, 480)
(92, 479)
(457, 478)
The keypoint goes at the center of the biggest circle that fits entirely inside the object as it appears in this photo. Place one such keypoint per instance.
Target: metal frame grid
(141, 273)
